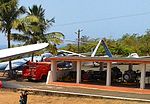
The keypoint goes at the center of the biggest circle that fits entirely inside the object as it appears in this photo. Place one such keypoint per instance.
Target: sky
(97, 18)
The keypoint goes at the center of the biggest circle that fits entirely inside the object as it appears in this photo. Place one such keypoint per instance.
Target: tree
(145, 43)
(9, 12)
(34, 27)
(130, 41)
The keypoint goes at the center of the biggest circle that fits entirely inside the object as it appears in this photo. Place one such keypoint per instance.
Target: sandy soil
(9, 97)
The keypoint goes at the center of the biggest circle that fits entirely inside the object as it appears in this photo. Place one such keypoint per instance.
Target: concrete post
(52, 74)
(49, 77)
(108, 78)
(78, 79)
(143, 72)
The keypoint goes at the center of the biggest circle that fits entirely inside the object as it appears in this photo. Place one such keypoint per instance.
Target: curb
(73, 94)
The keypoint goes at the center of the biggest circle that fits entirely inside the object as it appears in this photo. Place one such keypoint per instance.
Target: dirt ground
(9, 97)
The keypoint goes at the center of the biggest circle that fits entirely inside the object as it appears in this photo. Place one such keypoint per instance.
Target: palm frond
(55, 37)
(19, 37)
(7, 5)
(18, 12)
(16, 24)
(37, 11)
(31, 19)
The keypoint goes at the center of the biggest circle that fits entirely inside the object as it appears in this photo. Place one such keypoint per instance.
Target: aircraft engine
(130, 76)
(116, 73)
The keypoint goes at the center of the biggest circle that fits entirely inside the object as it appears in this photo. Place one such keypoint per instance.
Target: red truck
(36, 70)
(1, 84)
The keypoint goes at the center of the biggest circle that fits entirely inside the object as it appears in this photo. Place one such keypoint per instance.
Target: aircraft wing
(3, 65)
(12, 52)
(69, 53)
(135, 55)
(16, 63)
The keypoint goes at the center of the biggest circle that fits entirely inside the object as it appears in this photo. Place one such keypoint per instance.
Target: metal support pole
(108, 79)
(143, 72)
(101, 66)
(130, 67)
(78, 72)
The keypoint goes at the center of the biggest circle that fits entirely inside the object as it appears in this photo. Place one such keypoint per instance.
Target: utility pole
(78, 33)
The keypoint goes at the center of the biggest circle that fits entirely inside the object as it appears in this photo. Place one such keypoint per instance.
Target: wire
(104, 19)
(72, 41)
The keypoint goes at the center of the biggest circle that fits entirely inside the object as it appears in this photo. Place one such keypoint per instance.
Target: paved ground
(83, 89)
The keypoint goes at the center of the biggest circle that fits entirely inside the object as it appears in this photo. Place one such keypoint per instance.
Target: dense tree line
(127, 44)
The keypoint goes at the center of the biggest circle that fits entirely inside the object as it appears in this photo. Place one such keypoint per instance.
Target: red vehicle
(1, 84)
(36, 70)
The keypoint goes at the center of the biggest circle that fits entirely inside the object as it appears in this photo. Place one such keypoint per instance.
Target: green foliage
(34, 26)
(9, 12)
(129, 43)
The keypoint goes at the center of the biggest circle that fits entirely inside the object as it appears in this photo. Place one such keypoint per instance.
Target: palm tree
(9, 12)
(34, 27)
